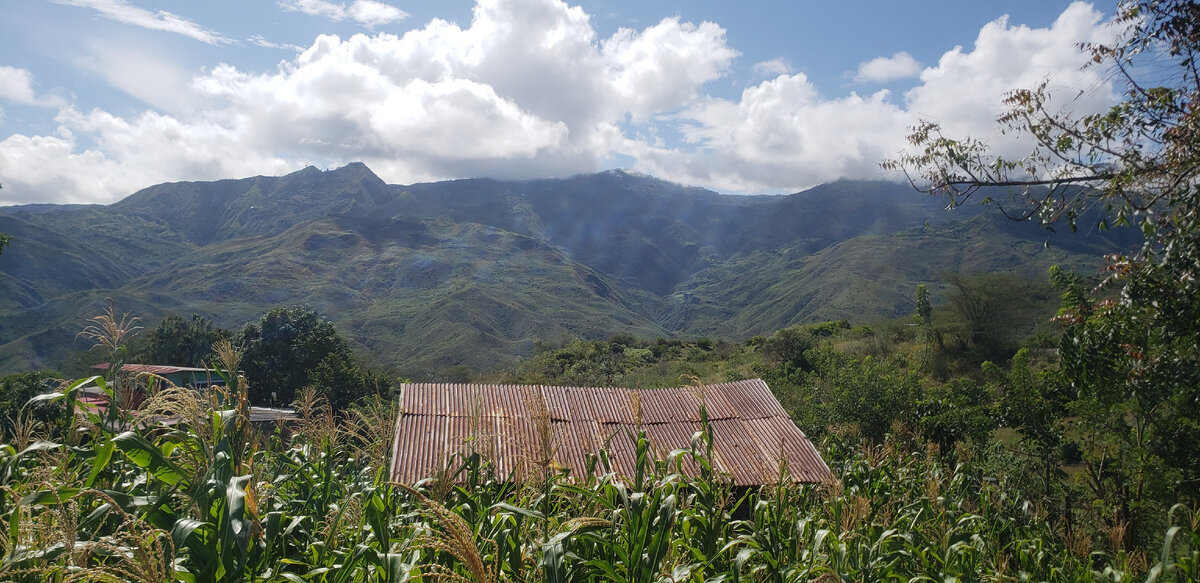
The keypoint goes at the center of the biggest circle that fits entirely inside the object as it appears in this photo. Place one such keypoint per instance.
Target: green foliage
(628, 361)
(1134, 368)
(183, 342)
(868, 393)
(788, 349)
(961, 410)
(1129, 352)
(201, 502)
(292, 347)
(924, 313)
(342, 382)
(992, 312)
(16, 390)
(1030, 402)
(206, 498)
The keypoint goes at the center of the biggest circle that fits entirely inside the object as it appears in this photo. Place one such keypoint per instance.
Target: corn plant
(203, 497)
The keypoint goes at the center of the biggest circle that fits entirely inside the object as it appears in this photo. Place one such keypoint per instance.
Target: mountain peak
(356, 171)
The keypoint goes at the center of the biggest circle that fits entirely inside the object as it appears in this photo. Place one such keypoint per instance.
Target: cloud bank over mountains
(528, 89)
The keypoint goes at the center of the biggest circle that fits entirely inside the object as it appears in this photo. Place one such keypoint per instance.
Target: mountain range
(473, 272)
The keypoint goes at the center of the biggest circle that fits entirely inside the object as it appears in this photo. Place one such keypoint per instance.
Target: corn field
(204, 497)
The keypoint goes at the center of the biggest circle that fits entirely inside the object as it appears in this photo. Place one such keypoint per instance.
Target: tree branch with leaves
(1137, 158)
(1130, 353)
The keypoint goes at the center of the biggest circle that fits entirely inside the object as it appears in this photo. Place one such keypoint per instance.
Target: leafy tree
(1132, 363)
(3, 237)
(923, 319)
(924, 314)
(1033, 404)
(580, 363)
(961, 410)
(788, 348)
(284, 348)
(343, 382)
(15, 392)
(183, 342)
(872, 394)
(993, 311)
(1130, 351)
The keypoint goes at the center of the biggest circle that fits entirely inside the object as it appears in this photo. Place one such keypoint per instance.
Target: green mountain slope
(473, 272)
(864, 277)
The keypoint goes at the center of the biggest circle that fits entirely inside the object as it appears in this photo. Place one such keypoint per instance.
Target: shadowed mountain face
(473, 272)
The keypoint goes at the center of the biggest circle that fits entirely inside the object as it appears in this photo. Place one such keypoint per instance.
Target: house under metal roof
(179, 375)
(752, 434)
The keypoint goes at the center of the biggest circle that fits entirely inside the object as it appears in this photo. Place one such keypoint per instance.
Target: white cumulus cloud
(369, 13)
(965, 90)
(125, 154)
(883, 69)
(781, 135)
(17, 85)
(528, 89)
(773, 67)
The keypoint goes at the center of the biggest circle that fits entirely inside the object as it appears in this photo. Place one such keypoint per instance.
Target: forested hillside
(474, 272)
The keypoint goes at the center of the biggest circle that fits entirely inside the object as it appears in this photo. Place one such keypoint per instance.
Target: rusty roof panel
(485, 400)
(740, 453)
(582, 405)
(521, 443)
(619, 448)
(718, 405)
(752, 399)
(667, 405)
(450, 401)
(751, 431)
(571, 444)
(416, 399)
(463, 400)
(421, 447)
(505, 401)
(458, 435)
(779, 438)
(803, 459)
(726, 451)
(158, 369)
(558, 403)
(612, 405)
(668, 437)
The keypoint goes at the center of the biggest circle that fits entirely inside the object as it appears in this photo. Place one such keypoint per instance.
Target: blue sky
(99, 98)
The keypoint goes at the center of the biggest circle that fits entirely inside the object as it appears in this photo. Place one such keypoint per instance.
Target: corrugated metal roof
(752, 434)
(157, 369)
